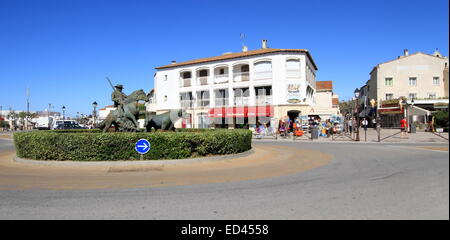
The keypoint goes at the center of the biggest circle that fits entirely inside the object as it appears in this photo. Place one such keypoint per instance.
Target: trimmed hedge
(97, 146)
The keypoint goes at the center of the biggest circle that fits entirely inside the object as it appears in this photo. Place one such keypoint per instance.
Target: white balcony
(241, 76)
(221, 102)
(186, 103)
(203, 103)
(202, 80)
(241, 101)
(185, 82)
(264, 100)
(223, 78)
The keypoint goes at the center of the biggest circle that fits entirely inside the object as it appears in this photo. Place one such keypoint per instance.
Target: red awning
(217, 112)
(229, 112)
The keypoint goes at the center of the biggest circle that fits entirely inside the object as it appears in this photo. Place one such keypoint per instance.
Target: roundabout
(279, 180)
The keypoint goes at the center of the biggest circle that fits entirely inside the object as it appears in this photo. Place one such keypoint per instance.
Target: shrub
(441, 119)
(96, 146)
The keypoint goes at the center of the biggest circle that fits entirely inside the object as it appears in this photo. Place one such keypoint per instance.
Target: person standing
(350, 124)
(365, 123)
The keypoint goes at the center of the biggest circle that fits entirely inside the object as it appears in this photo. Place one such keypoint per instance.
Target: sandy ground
(264, 162)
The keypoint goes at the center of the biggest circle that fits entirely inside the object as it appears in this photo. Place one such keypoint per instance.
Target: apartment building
(236, 89)
(420, 78)
(414, 76)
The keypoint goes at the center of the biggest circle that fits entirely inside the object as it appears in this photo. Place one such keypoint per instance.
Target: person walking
(404, 128)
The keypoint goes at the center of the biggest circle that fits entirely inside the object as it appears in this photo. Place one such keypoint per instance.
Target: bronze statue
(126, 114)
(124, 118)
(163, 121)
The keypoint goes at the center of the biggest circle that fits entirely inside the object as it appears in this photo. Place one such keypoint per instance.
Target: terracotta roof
(239, 55)
(335, 101)
(324, 85)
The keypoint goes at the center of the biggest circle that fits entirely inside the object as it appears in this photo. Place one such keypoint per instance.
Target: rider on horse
(118, 97)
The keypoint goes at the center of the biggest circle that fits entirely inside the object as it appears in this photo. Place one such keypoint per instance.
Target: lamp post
(64, 111)
(94, 104)
(356, 92)
(48, 115)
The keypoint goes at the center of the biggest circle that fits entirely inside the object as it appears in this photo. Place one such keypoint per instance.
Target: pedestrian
(365, 123)
(350, 124)
(404, 127)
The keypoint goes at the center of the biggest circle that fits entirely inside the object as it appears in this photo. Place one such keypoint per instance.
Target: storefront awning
(253, 111)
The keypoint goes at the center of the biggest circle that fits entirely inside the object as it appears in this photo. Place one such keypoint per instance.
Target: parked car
(67, 124)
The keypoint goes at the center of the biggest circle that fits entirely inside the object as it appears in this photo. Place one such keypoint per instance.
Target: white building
(236, 89)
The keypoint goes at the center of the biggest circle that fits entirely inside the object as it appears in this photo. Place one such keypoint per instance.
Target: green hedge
(97, 146)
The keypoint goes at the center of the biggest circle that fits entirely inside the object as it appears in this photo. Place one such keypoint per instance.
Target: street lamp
(356, 92)
(94, 104)
(63, 110)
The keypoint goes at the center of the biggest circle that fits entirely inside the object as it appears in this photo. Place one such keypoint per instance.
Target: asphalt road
(363, 181)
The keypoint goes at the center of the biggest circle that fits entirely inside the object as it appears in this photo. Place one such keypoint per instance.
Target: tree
(346, 107)
(441, 119)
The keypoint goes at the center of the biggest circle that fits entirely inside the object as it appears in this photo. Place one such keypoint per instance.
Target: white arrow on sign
(145, 146)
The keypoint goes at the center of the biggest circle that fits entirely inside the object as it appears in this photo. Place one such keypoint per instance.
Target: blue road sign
(142, 146)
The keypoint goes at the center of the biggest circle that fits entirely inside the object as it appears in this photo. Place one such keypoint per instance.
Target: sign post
(142, 146)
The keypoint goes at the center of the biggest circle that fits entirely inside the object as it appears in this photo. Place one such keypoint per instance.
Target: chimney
(173, 61)
(264, 43)
(244, 48)
(405, 52)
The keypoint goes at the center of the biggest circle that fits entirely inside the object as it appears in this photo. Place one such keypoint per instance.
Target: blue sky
(63, 50)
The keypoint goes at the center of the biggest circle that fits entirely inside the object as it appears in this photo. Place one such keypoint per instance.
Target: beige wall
(421, 66)
(446, 82)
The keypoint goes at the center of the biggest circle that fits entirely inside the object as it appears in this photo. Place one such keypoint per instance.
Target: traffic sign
(142, 146)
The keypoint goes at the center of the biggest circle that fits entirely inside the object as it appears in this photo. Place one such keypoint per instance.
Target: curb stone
(125, 163)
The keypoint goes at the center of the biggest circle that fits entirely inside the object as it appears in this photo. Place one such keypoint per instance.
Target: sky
(62, 51)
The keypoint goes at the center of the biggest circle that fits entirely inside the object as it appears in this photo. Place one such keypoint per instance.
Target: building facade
(237, 89)
(414, 76)
(326, 103)
(421, 79)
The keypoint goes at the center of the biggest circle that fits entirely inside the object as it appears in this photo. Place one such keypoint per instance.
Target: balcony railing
(241, 76)
(293, 73)
(187, 103)
(262, 75)
(203, 103)
(185, 82)
(221, 102)
(241, 101)
(223, 78)
(203, 80)
(264, 100)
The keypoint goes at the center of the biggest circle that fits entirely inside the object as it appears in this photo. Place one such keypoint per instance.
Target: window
(412, 81)
(388, 82)
(293, 68)
(222, 71)
(412, 96)
(186, 75)
(165, 98)
(203, 73)
(263, 70)
(436, 81)
(165, 77)
(389, 96)
(432, 95)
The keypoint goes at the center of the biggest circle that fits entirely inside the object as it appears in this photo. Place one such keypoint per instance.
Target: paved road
(363, 181)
